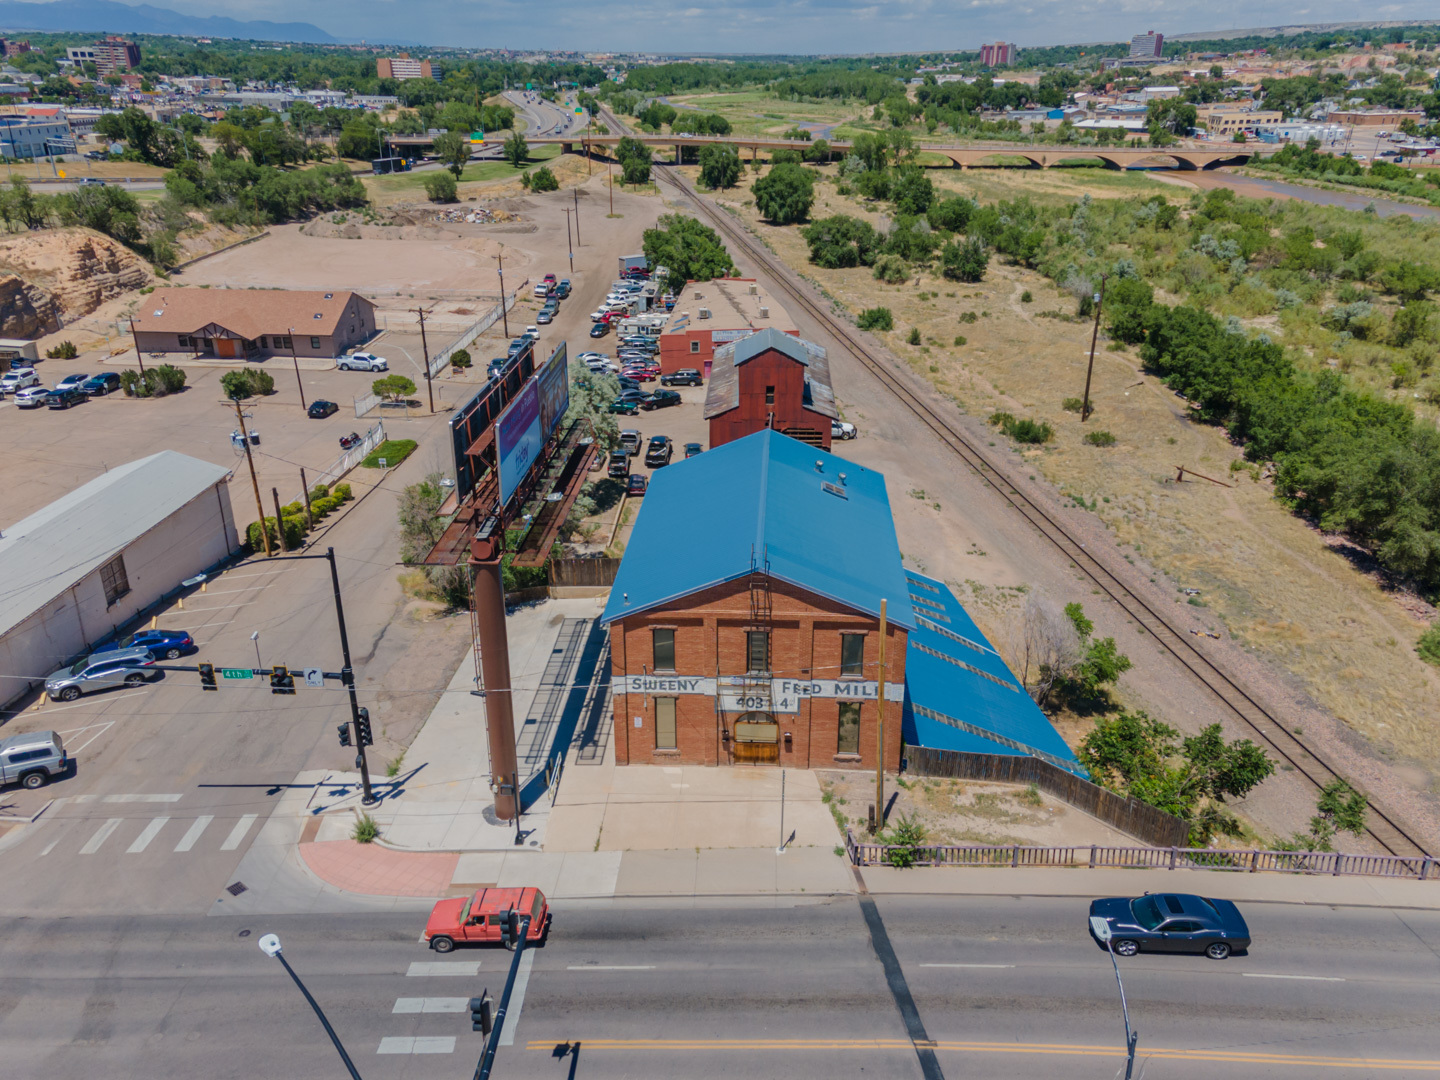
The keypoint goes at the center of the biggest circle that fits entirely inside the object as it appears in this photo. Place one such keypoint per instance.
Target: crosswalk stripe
(192, 834)
(237, 834)
(146, 835)
(408, 1044)
(141, 798)
(444, 967)
(101, 835)
(431, 1005)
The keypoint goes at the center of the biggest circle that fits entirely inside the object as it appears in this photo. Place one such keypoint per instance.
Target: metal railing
(350, 458)
(1099, 856)
(474, 330)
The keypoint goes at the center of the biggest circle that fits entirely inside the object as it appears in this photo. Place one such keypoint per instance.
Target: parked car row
(30, 393)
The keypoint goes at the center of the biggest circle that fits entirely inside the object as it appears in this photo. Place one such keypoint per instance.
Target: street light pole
(291, 332)
(348, 674)
(1102, 931)
(270, 946)
(504, 317)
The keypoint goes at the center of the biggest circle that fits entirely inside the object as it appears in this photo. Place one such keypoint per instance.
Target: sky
(786, 26)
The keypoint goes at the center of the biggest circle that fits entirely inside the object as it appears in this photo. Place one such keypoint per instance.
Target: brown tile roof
(246, 312)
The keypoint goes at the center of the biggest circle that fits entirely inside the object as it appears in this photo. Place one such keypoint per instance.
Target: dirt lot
(968, 811)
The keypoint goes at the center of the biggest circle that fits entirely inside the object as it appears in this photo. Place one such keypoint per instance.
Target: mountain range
(99, 16)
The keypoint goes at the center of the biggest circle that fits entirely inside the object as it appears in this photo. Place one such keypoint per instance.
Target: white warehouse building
(77, 571)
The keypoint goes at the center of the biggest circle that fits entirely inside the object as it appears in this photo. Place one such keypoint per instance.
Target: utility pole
(1094, 336)
(504, 316)
(296, 360)
(880, 733)
(279, 520)
(305, 494)
(576, 192)
(610, 171)
(138, 355)
(260, 506)
(569, 245)
(425, 347)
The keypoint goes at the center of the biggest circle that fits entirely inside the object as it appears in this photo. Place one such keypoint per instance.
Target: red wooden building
(710, 314)
(770, 380)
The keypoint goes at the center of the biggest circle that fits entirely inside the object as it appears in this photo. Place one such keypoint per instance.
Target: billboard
(518, 439)
(478, 415)
(554, 381)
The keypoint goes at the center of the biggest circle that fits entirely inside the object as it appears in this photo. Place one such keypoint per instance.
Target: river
(1254, 187)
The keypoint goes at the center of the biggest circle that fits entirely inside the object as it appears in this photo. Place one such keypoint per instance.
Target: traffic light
(207, 677)
(344, 731)
(362, 724)
(507, 931)
(281, 681)
(480, 1015)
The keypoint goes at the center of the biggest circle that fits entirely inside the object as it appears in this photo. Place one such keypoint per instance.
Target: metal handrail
(1101, 856)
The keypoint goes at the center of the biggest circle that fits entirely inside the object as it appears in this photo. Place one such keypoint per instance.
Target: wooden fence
(1132, 816)
(1328, 863)
(587, 573)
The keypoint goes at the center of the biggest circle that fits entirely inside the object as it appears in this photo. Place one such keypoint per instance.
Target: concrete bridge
(963, 156)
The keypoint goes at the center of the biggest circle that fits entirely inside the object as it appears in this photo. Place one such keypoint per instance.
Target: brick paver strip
(378, 871)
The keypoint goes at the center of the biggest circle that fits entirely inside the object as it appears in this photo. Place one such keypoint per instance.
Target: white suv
(363, 361)
(18, 379)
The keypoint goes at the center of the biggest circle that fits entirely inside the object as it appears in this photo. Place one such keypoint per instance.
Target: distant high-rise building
(10, 48)
(115, 54)
(1148, 44)
(998, 54)
(404, 67)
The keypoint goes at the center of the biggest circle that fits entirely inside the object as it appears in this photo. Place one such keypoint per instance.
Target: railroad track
(1283, 742)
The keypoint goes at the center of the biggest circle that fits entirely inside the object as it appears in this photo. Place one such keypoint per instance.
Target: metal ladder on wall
(757, 683)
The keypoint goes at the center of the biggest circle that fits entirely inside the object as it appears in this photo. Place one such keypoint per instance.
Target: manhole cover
(243, 934)
(237, 888)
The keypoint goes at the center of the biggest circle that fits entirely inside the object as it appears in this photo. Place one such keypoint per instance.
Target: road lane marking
(50, 707)
(50, 847)
(968, 965)
(106, 726)
(517, 998)
(141, 798)
(444, 967)
(192, 834)
(101, 835)
(611, 967)
(237, 834)
(1306, 978)
(408, 1044)
(1242, 1057)
(431, 1005)
(146, 835)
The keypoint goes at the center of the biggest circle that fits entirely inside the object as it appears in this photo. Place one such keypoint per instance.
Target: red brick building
(770, 380)
(709, 314)
(760, 644)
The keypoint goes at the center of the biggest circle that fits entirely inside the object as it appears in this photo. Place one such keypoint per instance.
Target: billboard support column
(495, 665)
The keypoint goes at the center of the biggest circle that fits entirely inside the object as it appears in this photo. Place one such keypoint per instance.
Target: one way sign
(315, 677)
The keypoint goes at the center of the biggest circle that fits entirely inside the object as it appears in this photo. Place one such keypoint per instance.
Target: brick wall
(710, 628)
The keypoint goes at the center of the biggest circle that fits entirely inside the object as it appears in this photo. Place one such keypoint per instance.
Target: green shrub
(877, 318)
(247, 382)
(961, 340)
(1429, 645)
(542, 179)
(291, 509)
(914, 338)
(152, 382)
(1002, 420)
(1072, 404)
(394, 451)
(892, 270)
(460, 359)
(366, 829)
(1025, 431)
(1026, 298)
(64, 351)
(343, 492)
(905, 842)
(319, 491)
(322, 506)
(294, 534)
(440, 187)
(1099, 438)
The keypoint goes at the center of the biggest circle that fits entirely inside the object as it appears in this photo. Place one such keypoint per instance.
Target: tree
(358, 140)
(453, 151)
(421, 526)
(964, 262)
(1045, 644)
(1190, 778)
(841, 241)
(785, 194)
(393, 388)
(719, 166)
(950, 215)
(1101, 663)
(516, 151)
(634, 158)
(911, 190)
(689, 250)
(542, 179)
(1339, 808)
(440, 187)
(460, 359)
(818, 152)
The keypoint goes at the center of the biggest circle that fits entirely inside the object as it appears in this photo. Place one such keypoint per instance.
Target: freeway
(542, 118)
(1002, 987)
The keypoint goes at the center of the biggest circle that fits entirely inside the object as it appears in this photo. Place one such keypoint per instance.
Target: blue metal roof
(959, 694)
(822, 522)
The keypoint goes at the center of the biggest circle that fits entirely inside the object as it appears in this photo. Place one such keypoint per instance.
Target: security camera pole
(1102, 932)
(270, 946)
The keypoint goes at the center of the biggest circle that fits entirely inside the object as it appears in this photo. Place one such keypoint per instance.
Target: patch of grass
(394, 451)
(392, 768)
(1100, 438)
(366, 830)
(413, 183)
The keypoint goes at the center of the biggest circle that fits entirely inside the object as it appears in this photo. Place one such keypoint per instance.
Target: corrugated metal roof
(704, 519)
(959, 693)
(55, 548)
(723, 393)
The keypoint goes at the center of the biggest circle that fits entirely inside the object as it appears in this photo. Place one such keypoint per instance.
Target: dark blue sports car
(164, 644)
(1172, 922)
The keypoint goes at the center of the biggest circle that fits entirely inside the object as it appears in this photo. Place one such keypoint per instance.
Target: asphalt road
(1003, 987)
(542, 117)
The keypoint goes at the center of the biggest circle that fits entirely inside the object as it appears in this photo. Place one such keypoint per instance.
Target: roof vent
(159, 312)
(329, 296)
(834, 489)
(819, 464)
(704, 313)
(842, 478)
(318, 315)
(764, 313)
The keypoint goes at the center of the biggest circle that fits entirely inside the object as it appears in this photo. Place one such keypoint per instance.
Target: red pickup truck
(478, 918)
